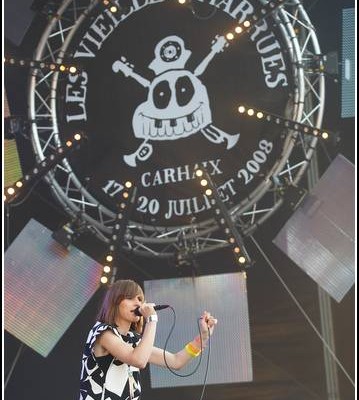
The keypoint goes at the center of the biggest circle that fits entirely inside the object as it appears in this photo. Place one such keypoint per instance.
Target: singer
(122, 342)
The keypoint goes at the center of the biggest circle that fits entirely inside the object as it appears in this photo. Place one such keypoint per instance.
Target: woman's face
(128, 306)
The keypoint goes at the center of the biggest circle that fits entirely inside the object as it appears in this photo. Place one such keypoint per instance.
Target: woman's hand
(207, 323)
(147, 309)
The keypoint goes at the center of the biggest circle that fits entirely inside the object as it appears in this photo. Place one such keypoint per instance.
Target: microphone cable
(200, 358)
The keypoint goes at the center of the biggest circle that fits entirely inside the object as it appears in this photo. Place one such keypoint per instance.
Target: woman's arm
(138, 356)
(191, 350)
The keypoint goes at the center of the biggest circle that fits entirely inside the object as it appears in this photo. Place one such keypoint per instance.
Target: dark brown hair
(116, 292)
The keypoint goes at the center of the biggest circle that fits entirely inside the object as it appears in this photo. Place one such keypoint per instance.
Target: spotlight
(64, 235)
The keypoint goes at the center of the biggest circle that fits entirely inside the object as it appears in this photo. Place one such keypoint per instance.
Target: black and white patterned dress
(106, 378)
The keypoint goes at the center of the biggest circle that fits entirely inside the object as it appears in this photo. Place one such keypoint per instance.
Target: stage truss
(157, 241)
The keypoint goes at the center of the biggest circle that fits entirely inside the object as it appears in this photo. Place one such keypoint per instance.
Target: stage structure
(158, 92)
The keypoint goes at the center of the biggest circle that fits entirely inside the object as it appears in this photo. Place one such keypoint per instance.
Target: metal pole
(13, 365)
(326, 316)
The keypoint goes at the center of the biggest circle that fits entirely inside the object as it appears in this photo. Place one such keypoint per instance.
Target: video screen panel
(225, 296)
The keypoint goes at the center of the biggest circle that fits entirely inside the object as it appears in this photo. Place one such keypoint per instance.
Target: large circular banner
(158, 96)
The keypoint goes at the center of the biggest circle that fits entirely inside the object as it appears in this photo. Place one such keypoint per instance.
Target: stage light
(19, 184)
(241, 260)
(110, 5)
(241, 109)
(104, 279)
(10, 191)
(69, 143)
(250, 112)
(109, 258)
(106, 269)
(230, 36)
(237, 250)
(208, 192)
(125, 195)
(199, 172)
(64, 235)
(204, 182)
(247, 24)
(238, 29)
(128, 184)
(260, 115)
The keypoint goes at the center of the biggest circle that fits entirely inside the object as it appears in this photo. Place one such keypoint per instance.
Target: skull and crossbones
(177, 104)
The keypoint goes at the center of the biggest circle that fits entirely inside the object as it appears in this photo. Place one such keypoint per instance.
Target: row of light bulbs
(205, 182)
(41, 168)
(118, 229)
(285, 123)
(52, 66)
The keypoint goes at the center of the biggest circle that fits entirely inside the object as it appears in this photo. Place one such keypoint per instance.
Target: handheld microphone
(157, 308)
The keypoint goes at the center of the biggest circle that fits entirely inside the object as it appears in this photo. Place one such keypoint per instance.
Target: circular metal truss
(307, 107)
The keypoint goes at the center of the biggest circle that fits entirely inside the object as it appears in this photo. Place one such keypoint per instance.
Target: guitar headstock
(219, 43)
(124, 67)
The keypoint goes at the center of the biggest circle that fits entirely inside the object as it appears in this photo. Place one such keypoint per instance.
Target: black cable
(206, 373)
(165, 346)
(200, 359)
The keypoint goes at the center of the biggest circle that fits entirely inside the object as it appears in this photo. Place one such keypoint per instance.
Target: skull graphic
(177, 104)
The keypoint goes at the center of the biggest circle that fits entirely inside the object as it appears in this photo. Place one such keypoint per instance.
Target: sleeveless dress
(106, 378)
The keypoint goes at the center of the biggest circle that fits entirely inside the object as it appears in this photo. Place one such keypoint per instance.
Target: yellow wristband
(191, 350)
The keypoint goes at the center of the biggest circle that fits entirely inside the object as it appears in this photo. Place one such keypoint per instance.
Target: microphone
(157, 308)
